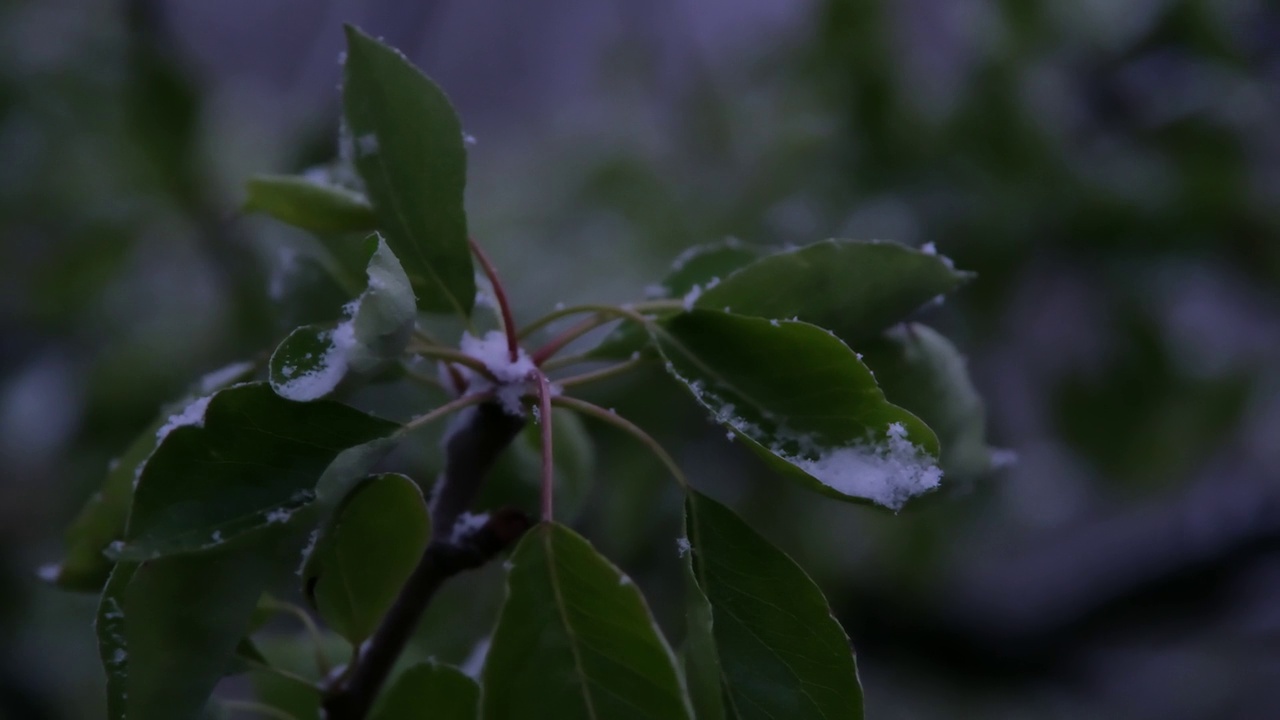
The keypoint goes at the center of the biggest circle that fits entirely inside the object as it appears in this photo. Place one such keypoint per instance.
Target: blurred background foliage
(1111, 170)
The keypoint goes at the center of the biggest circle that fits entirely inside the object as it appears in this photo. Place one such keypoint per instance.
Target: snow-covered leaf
(854, 288)
(409, 150)
(429, 689)
(780, 652)
(102, 520)
(803, 400)
(694, 269)
(168, 629)
(575, 640)
(238, 460)
(313, 360)
(310, 205)
(365, 554)
(921, 370)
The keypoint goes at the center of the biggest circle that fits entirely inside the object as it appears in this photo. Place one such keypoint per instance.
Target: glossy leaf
(696, 267)
(312, 361)
(409, 150)
(854, 288)
(304, 203)
(803, 400)
(439, 692)
(576, 640)
(781, 653)
(103, 518)
(168, 629)
(516, 477)
(366, 553)
(921, 370)
(698, 653)
(240, 459)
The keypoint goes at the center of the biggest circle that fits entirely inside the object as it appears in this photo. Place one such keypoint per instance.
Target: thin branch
(548, 462)
(601, 374)
(627, 426)
(463, 402)
(604, 314)
(450, 355)
(643, 307)
(323, 664)
(353, 696)
(564, 361)
(557, 343)
(246, 706)
(424, 379)
(499, 295)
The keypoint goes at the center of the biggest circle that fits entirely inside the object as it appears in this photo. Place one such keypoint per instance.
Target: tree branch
(470, 452)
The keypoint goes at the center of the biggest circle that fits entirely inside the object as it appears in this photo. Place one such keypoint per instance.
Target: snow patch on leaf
(318, 379)
(886, 473)
(192, 414)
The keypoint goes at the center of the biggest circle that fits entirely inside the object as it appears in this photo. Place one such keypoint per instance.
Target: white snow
(367, 144)
(466, 525)
(886, 473)
(929, 249)
(468, 139)
(278, 516)
(49, 573)
(192, 414)
(683, 546)
(474, 663)
(112, 611)
(119, 656)
(1002, 458)
(692, 296)
(216, 537)
(654, 292)
(514, 379)
(624, 581)
(319, 379)
(306, 551)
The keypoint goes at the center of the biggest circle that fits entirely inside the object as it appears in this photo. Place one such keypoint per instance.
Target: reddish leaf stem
(499, 296)
(557, 343)
(548, 462)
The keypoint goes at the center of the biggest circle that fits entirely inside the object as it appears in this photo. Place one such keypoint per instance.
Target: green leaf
(854, 288)
(310, 205)
(312, 361)
(693, 268)
(803, 400)
(921, 370)
(516, 477)
(410, 153)
(240, 459)
(701, 662)
(103, 518)
(576, 640)
(168, 629)
(366, 553)
(440, 692)
(781, 653)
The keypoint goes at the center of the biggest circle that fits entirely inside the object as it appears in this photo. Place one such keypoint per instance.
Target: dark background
(1110, 169)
